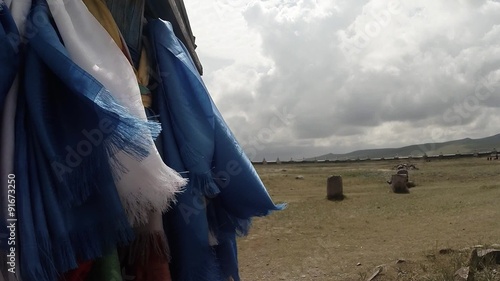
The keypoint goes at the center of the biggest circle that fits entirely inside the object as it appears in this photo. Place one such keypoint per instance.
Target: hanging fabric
(207, 149)
(148, 253)
(87, 185)
(57, 229)
(145, 184)
(204, 137)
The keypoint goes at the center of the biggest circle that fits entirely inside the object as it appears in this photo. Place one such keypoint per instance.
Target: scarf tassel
(118, 133)
(206, 184)
(148, 196)
(146, 245)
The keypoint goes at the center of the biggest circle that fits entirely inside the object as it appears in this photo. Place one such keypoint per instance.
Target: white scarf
(19, 10)
(149, 185)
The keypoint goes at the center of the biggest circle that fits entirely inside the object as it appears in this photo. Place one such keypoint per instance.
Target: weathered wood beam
(174, 11)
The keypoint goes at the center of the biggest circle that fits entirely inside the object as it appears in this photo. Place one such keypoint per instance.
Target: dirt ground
(455, 205)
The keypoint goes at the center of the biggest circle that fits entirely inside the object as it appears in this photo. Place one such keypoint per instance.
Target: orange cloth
(154, 268)
(102, 14)
(79, 274)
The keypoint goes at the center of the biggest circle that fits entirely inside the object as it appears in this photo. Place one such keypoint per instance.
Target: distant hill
(462, 146)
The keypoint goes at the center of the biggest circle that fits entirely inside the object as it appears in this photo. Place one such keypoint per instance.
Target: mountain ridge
(461, 146)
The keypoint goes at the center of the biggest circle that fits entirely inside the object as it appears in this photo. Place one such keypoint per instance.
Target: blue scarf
(68, 206)
(196, 139)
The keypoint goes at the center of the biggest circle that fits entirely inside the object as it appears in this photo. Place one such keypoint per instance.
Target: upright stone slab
(404, 173)
(399, 184)
(334, 188)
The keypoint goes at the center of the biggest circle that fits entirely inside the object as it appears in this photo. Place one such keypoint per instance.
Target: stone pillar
(334, 188)
(399, 184)
(403, 172)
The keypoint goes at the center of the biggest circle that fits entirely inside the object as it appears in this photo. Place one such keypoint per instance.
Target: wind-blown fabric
(68, 206)
(145, 184)
(195, 138)
(146, 257)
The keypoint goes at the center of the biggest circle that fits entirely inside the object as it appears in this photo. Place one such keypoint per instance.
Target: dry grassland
(454, 205)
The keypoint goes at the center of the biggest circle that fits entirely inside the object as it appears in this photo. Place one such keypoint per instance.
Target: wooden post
(334, 188)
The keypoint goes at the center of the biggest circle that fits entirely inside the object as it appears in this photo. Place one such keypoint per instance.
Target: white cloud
(352, 73)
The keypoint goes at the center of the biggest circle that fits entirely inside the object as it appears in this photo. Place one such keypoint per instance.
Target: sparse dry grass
(455, 205)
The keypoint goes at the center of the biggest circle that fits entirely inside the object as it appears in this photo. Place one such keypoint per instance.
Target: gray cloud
(353, 72)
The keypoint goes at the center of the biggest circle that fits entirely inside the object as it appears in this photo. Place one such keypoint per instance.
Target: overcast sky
(301, 78)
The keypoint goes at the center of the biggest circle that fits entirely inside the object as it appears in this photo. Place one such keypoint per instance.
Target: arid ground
(455, 205)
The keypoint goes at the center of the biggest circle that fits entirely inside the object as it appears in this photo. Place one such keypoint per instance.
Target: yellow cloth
(143, 77)
(101, 12)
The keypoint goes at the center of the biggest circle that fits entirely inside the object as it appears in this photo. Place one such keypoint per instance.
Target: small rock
(400, 261)
(377, 271)
(358, 264)
(488, 256)
(299, 177)
(462, 274)
(410, 184)
(303, 276)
